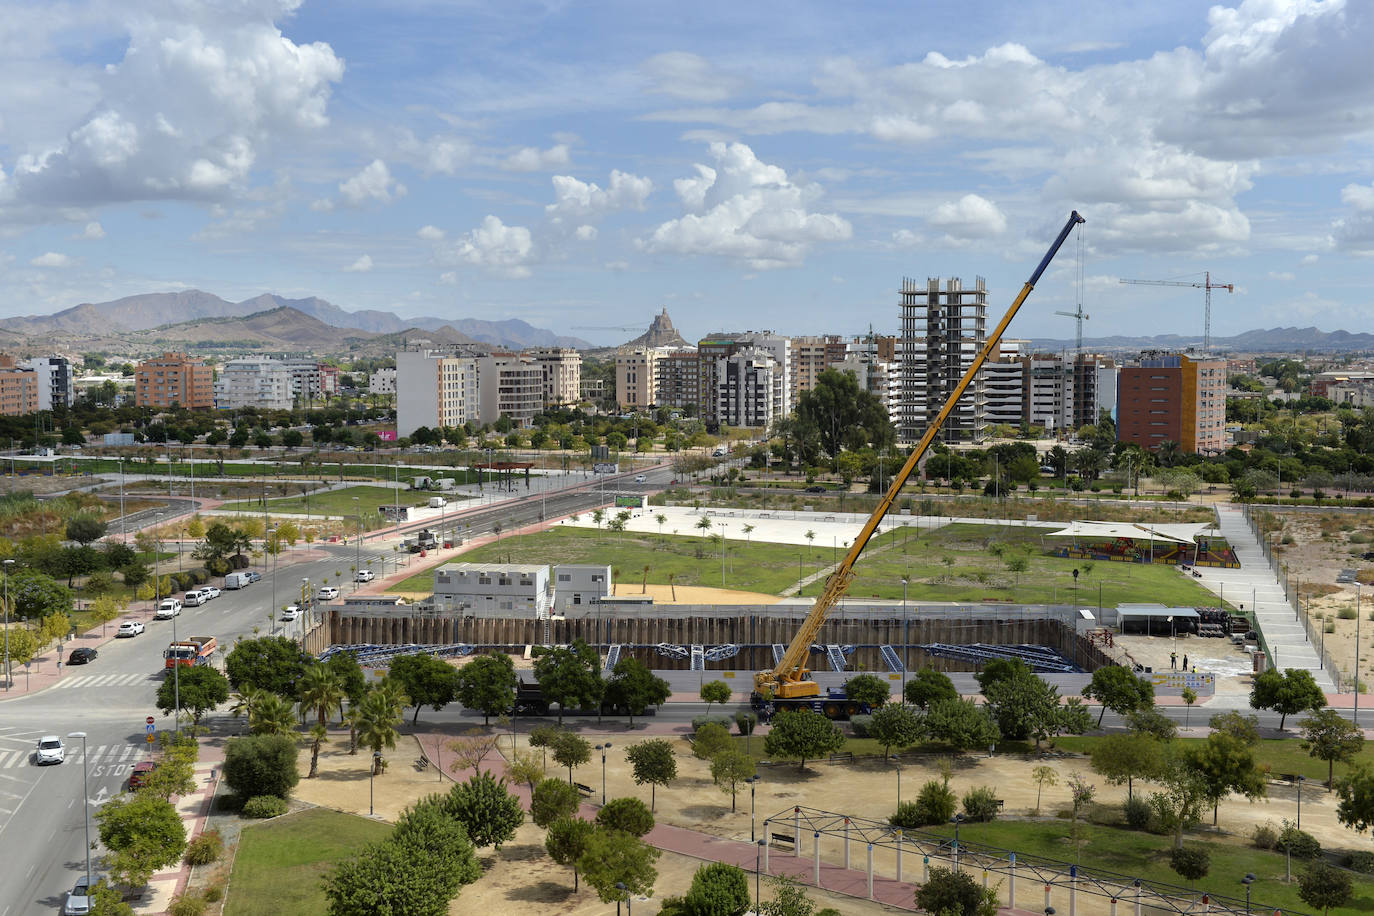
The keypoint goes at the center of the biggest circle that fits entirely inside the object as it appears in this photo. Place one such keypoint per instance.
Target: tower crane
(786, 684)
(1082, 316)
(1206, 284)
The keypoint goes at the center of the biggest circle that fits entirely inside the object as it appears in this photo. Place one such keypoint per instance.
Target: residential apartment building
(677, 377)
(18, 388)
(562, 368)
(312, 381)
(1047, 399)
(511, 386)
(879, 377)
(1357, 393)
(56, 384)
(434, 389)
(174, 379)
(810, 357)
(493, 589)
(748, 389)
(382, 381)
(636, 378)
(942, 330)
(254, 381)
(1173, 398)
(1094, 388)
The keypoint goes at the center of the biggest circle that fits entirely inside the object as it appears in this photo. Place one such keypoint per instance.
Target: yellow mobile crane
(787, 684)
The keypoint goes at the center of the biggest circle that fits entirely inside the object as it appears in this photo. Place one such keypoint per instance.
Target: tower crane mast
(1206, 284)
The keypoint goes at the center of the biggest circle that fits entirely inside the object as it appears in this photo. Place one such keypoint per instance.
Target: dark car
(81, 656)
(138, 777)
(815, 489)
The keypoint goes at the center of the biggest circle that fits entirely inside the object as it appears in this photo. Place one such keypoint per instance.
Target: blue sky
(765, 165)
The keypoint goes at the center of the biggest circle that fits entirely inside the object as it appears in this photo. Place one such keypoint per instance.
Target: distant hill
(1272, 340)
(280, 328)
(147, 311)
(661, 333)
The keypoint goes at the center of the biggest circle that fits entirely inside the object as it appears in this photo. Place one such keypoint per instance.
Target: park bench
(785, 839)
(843, 757)
(586, 791)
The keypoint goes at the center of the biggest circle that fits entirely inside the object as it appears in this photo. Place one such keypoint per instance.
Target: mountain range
(149, 311)
(1271, 340)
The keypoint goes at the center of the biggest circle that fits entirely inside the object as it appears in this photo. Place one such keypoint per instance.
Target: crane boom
(787, 679)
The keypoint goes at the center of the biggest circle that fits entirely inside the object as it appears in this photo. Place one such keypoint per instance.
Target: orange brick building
(173, 378)
(1173, 399)
(18, 388)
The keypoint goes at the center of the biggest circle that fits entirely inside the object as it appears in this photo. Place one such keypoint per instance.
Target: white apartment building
(562, 368)
(382, 381)
(434, 389)
(254, 381)
(579, 587)
(56, 385)
(748, 389)
(1048, 399)
(636, 377)
(509, 386)
(780, 348)
(879, 377)
(493, 589)
(312, 381)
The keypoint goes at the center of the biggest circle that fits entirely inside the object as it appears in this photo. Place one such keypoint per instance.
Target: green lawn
(1283, 755)
(338, 502)
(280, 862)
(1146, 855)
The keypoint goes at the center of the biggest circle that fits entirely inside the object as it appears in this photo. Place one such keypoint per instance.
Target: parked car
(292, 612)
(130, 628)
(82, 656)
(364, 575)
(169, 608)
(50, 750)
(193, 598)
(641, 478)
(328, 593)
(817, 488)
(138, 776)
(210, 592)
(79, 898)
(254, 576)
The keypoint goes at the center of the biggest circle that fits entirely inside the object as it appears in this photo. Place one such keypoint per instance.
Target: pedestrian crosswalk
(103, 680)
(104, 753)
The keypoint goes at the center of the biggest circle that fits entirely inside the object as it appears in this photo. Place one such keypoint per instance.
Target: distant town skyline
(757, 166)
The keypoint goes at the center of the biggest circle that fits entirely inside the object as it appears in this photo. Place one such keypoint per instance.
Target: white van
(194, 598)
(437, 502)
(238, 580)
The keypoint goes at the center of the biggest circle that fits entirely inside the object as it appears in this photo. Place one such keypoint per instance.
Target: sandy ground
(521, 879)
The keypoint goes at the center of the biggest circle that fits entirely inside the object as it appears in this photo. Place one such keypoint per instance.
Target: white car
(328, 593)
(210, 592)
(50, 750)
(194, 598)
(364, 575)
(130, 628)
(291, 613)
(169, 608)
(640, 478)
(79, 898)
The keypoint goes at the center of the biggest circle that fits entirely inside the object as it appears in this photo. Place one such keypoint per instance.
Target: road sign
(150, 737)
(151, 729)
(149, 720)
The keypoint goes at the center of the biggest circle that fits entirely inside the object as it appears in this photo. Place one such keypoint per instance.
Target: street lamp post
(85, 801)
(123, 530)
(629, 901)
(906, 642)
(272, 611)
(603, 748)
(357, 545)
(376, 756)
(1356, 717)
(899, 784)
(1247, 880)
(305, 606)
(758, 898)
(9, 565)
(1301, 779)
(753, 784)
(957, 820)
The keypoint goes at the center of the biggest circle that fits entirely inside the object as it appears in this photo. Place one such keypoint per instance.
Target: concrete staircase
(1256, 586)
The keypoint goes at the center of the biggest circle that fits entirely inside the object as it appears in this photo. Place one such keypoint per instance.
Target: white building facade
(493, 589)
(254, 381)
(434, 389)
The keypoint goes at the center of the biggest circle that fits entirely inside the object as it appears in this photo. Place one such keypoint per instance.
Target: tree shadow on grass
(541, 892)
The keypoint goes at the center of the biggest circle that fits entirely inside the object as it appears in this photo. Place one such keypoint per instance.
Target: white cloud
(373, 183)
(361, 266)
(51, 259)
(1310, 259)
(531, 159)
(970, 217)
(586, 233)
(576, 200)
(200, 91)
(503, 249)
(431, 233)
(1283, 275)
(905, 238)
(92, 231)
(618, 266)
(448, 278)
(746, 210)
(688, 76)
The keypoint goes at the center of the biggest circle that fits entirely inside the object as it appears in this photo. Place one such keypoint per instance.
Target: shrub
(262, 806)
(1362, 862)
(628, 814)
(1265, 837)
(1298, 843)
(934, 805)
(746, 721)
(711, 738)
(699, 721)
(187, 905)
(261, 765)
(1346, 613)
(980, 804)
(859, 725)
(1137, 812)
(1191, 862)
(205, 848)
(214, 894)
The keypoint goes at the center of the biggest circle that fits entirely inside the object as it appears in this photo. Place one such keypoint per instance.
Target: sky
(764, 166)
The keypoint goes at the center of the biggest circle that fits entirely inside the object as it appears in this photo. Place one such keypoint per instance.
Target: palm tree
(662, 520)
(247, 701)
(748, 530)
(377, 719)
(321, 690)
(272, 716)
(319, 734)
(704, 524)
(351, 719)
(644, 582)
(672, 578)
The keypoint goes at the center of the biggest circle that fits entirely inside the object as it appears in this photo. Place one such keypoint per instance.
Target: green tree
(1328, 736)
(613, 857)
(1225, 764)
(955, 893)
(1191, 862)
(486, 809)
(272, 663)
(894, 724)
(1289, 693)
(143, 834)
(653, 762)
(628, 814)
(487, 684)
(378, 716)
(801, 734)
(104, 610)
(715, 692)
(711, 738)
(1125, 758)
(729, 770)
(1022, 704)
(426, 679)
(35, 596)
(272, 715)
(321, 690)
(1321, 885)
(868, 689)
(261, 765)
(1043, 776)
(1356, 792)
(85, 529)
(633, 687)
(1117, 688)
(1150, 721)
(551, 800)
(202, 689)
(717, 889)
(570, 676)
(844, 415)
(570, 751)
(789, 899)
(566, 841)
(961, 724)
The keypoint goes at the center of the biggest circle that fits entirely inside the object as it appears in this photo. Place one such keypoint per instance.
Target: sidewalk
(194, 809)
